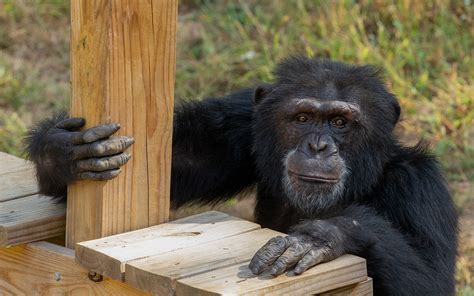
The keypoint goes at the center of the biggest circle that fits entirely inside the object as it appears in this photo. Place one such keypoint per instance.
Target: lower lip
(314, 179)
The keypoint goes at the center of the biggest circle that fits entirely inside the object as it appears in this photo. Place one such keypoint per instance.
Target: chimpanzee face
(315, 132)
(317, 123)
(312, 129)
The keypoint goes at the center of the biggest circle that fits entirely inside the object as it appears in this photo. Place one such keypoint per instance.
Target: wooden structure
(205, 254)
(122, 70)
(123, 63)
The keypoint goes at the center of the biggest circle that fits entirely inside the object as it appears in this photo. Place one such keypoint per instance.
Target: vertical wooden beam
(123, 70)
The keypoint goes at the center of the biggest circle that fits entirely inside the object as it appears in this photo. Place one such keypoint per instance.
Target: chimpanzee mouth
(315, 179)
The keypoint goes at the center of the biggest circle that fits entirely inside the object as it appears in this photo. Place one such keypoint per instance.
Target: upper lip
(314, 178)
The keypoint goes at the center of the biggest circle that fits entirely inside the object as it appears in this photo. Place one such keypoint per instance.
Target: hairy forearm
(392, 261)
(212, 149)
(52, 179)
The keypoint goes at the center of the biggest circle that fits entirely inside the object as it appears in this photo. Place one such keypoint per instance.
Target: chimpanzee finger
(105, 147)
(99, 176)
(268, 254)
(96, 133)
(310, 259)
(71, 124)
(289, 258)
(103, 163)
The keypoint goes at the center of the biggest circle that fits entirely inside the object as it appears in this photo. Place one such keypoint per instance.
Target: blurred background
(425, 47)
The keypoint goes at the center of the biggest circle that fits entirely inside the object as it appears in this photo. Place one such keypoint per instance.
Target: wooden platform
(208, 254)
(25, 216)
(205, 254)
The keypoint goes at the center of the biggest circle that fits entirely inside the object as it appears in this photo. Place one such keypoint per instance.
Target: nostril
(318, 147)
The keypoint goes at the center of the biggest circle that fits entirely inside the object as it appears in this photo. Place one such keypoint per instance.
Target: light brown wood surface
(30, 218)
(158, 274)
(24, 215)
(237, 279)
(122, 70)
(46, 269)
(364, 288)
(108, 255)
(207, 254)
(17, 177)
(10, 163)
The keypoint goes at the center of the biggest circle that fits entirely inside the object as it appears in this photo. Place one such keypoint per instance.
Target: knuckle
(97, 148)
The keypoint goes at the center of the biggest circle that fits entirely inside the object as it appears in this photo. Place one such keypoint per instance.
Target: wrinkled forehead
(322, 106)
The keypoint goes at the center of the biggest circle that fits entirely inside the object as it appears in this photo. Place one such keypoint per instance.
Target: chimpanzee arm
(212, 142)
(409, 241)
(211, 161)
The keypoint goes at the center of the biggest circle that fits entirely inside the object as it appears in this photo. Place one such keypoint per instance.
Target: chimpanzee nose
(318, 144)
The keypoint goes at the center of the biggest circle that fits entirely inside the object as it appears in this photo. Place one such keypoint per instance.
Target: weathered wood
(158, 274)
(122, 70)
(108, 255)
(237, 279)
(17, 177)
(360, 289)
(46, 269)
(10, 163)
(30, 218)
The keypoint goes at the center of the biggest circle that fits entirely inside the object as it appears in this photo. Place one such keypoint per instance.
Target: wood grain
(364, 288)
(122, 70)
(46, 269)
(17, 177)
(30, 218)
(237, 279)
(10, 163)
(109, 255)
(158, 274)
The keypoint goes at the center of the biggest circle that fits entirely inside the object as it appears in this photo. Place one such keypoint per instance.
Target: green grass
(425, 47)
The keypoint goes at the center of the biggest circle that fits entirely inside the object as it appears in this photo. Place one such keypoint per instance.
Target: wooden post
(123, 70)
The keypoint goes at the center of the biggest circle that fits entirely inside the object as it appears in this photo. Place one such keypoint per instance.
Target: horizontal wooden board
(360, 289)
(46, 269)
(31, 218)
(18, 184)
(237, 279)
(108, 255)
(158, 274)
(10, 163)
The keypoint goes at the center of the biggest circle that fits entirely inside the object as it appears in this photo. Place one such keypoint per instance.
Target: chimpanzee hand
(63, 153)
(309, 243)
(92, 153)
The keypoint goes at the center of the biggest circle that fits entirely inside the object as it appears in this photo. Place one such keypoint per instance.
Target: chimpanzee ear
(261, 92)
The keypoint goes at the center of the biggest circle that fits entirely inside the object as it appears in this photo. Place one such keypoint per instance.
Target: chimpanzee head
(323, 131)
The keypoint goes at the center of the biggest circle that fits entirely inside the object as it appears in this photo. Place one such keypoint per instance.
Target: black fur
(221, 146)
(53, 163)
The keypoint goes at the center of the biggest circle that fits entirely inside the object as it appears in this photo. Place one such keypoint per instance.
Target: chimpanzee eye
(302, 118)
(339, 122)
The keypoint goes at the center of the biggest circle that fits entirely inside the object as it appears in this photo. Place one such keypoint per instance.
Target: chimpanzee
(318, 145)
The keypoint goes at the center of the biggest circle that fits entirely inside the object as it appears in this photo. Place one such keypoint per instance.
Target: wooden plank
(10, 163)
(364, 288)
(46, 269)
(237, 279)
(30, 218)
(122, 70)
(18, 184)
(108, 255)
(158, 274)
